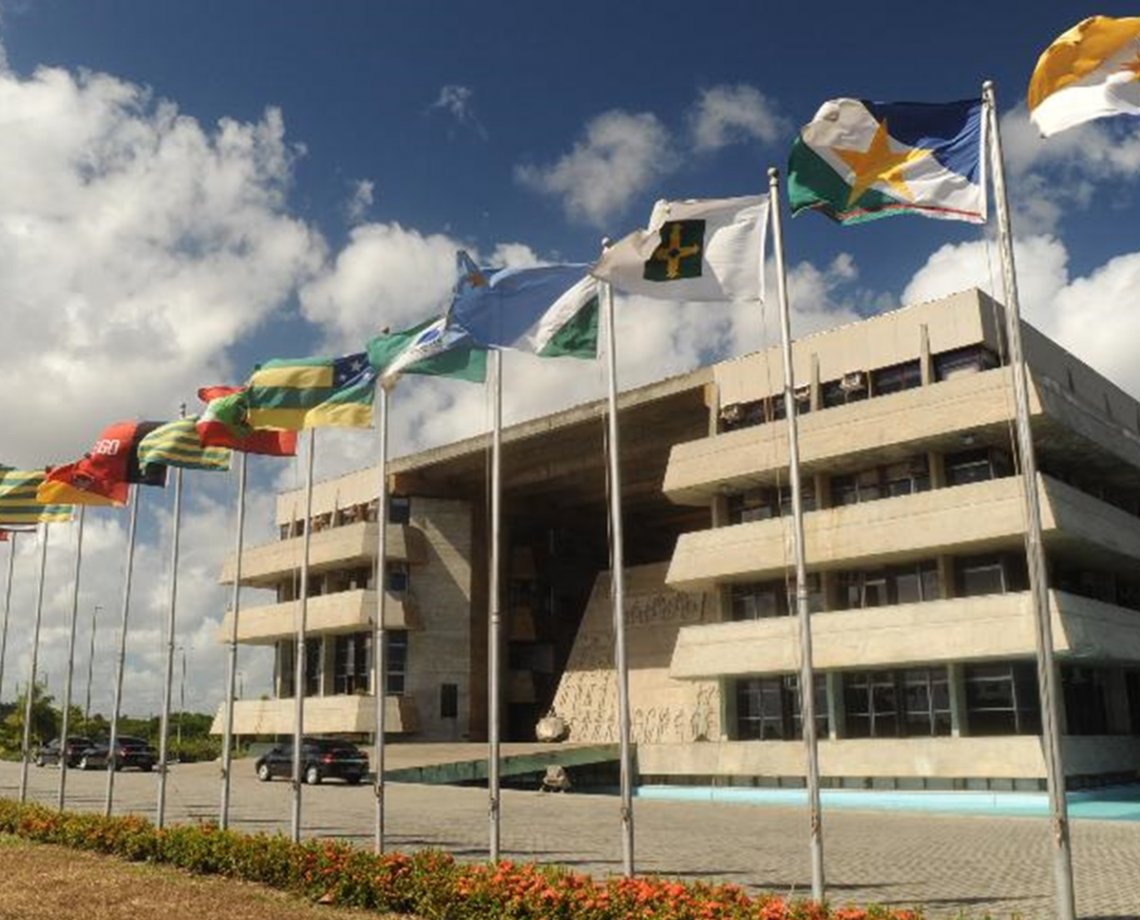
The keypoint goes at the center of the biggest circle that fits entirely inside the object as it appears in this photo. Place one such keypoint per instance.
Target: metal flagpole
(7, 608)
(299, 653)
(112, 743)
(807, 676)
(168, 677)
(495, 618)
(1034, 546)
(90, 668)
(65, 725)
(621, 664)
(232, 652)
(379, 634)
(27, 745)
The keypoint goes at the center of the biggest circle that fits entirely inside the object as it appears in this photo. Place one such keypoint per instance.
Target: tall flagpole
(112, 743)
(168, 677)
(621, 663)
(299, 653)
(803, 612)
(7, 608)
(65, 726)
(495, 617)
(379, 634)
(1034, 545)
(232, 652)
(27, 745)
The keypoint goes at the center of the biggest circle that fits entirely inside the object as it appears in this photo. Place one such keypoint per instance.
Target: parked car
(129, 752)
(49, 753)
(321, 759)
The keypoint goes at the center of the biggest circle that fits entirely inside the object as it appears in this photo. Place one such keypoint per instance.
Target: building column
(926, 365)
(328, 666)
(959, 727)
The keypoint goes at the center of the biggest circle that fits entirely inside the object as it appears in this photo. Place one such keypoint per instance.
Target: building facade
(922, 623)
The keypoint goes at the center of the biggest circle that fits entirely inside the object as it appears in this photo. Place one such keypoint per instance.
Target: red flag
(103, 475)
(225, 423)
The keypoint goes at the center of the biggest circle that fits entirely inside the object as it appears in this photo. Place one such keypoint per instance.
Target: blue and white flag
(859, 160)
(547, 310)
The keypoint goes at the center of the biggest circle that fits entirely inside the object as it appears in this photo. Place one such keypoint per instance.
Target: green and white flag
(434, 348)
(700, 249)
(176, 444)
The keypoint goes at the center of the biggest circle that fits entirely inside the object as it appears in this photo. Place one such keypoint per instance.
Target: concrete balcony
(962, 629)
(960, 519)
(894, 425)
(335, 548)
(1012, 757)
(346, 611)
(324, 715)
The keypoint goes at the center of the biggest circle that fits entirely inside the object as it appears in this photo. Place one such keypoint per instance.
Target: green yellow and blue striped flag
(299, 393)
(176, 444)
(18, 504)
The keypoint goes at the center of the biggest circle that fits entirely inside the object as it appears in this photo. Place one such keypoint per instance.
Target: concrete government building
(922, 625)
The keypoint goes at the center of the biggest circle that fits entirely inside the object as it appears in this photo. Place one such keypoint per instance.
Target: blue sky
(193, 187)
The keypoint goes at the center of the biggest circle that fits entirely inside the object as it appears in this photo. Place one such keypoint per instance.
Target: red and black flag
(104, 474)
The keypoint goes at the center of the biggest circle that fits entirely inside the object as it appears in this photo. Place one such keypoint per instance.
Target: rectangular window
(979, 575)
(961, 361)
(352, 663)
(1001, 698)
(759, 601)
(314, 665)
(871, 704)
(1084, 693)
(399, 509)
(896, 378)
(396, 646)
(908, 477)
(754, 505)
(449, 701)
(926, 701)
(768, 708)
(397, 577)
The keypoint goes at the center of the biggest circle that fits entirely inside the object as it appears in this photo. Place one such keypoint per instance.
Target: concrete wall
(344, 611)
(661, 709)
(346, 715)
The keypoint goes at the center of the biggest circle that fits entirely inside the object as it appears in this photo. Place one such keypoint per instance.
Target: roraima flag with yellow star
(859, 160)
(706, 249)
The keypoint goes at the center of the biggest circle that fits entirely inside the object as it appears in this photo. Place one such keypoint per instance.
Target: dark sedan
(49, 753)
(129, 752)
(321, 759)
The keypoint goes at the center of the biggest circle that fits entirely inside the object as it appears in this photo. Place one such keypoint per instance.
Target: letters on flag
(547, 310)
(176, 444)
(699, 250)
(294, 394)
(858, 160)
(20, 504)
(435, 348)
(1090, 71)
(103, 476)
(225, 423)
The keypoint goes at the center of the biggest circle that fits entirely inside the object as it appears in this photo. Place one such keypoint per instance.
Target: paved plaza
(946, 863)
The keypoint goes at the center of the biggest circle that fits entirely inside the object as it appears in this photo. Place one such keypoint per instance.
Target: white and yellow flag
(1091, 71)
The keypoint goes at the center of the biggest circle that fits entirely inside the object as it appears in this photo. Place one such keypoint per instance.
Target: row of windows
(887, 481)
(352, 663)
(354, 579)
(911, 583)
(859, 385)
(1000, 698)
(399, 512)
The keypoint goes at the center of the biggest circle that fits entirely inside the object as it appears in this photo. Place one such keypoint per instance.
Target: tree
(45, 719)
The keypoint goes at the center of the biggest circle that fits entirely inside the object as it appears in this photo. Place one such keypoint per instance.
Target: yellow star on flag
(878, 163)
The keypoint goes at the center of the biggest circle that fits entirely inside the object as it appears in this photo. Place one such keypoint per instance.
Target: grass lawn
(41, 882)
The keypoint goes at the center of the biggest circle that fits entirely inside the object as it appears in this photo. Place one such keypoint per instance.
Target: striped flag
(294, 394)
(18, 502)
(224, 423)
(176, 444)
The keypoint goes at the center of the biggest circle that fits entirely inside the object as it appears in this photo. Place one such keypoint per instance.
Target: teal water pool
(1115, 803)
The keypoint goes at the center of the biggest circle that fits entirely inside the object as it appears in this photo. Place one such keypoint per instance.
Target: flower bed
(428, 883)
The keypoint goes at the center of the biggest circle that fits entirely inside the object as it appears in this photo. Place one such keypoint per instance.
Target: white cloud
(1095, 316)
(619, 157)
(363, 195)
(136, 247)
(729, 114)
(455, 100)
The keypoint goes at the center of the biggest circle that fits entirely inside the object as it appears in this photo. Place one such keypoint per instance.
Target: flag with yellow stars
(699, 250)
(1091, 71)
(859, 160)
